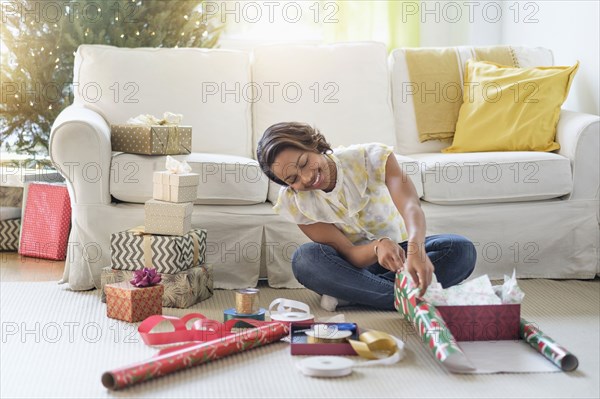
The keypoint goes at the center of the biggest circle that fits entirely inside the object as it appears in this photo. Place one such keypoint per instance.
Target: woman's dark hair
(284, 135)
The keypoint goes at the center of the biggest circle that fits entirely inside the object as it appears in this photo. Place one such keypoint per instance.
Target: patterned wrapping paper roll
(427, 321)
(178, 358)
(433, 330)
(542, 343)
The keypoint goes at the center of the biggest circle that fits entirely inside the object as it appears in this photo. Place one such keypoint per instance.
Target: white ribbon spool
(324, 331)
(336, 366)
(287, 310)
(326, 366)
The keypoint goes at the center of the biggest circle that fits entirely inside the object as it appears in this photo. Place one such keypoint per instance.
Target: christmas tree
(40, 39)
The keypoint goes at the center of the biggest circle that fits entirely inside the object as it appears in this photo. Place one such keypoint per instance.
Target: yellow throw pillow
(510, 109)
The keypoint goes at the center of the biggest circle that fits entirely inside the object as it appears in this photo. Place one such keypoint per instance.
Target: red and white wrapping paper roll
(184, 356)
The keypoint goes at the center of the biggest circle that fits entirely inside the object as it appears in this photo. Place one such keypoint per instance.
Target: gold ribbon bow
(372, 343)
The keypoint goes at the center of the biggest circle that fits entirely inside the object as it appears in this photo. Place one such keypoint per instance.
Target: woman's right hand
(390, 255)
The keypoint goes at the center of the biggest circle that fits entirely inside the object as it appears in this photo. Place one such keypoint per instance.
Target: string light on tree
(42, 53)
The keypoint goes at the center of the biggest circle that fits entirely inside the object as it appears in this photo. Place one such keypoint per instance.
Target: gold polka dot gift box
(151, 140)
(168, 218)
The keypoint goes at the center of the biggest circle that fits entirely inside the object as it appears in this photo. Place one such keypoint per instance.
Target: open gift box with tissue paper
(478, 356)
(478, 311)
(177, 183)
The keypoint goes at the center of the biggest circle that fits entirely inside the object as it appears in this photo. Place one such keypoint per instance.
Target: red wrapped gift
(482, 322)
(46, 223)
(127, 302)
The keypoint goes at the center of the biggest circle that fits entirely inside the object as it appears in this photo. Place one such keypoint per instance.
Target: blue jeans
(322, 269)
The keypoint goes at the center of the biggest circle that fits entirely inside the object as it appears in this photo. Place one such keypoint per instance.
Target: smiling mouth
(317, 181)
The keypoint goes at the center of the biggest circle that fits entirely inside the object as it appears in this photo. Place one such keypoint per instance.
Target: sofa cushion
(224, 179)
(522, 119)
(488, 177)
(204, 85)
(407, 135)
(342, 89)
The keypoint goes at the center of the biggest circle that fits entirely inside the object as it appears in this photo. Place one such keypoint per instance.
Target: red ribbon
(201, 330)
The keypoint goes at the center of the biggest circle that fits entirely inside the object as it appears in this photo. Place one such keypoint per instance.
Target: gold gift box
(168, 218)
(151, 140)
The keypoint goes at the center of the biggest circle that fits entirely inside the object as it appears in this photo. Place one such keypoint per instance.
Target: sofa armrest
(80, 150)
(579, 137)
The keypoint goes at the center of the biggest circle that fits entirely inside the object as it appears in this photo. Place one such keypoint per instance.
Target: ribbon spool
(327, 334)
(289, 311)
(384, 348)
(231, 313)
(246, 301)
(326, 366)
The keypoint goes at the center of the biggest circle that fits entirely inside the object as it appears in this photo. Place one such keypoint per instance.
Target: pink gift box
(46, 223)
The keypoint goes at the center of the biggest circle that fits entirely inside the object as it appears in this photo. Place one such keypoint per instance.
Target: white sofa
(536, 212)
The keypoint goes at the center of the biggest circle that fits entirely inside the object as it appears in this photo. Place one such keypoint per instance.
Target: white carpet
(57, 343)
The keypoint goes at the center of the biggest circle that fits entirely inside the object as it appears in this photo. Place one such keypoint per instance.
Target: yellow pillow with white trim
(510, 109)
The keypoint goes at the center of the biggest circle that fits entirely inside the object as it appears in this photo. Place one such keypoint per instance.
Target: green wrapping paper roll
(427, 321)
(432, 329)
(542, 343)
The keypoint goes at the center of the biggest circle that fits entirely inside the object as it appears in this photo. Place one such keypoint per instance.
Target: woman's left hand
(419, 266)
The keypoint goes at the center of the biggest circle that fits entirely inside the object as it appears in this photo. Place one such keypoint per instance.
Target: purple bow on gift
(145, 278)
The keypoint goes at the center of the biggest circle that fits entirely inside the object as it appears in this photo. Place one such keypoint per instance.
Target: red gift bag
(46, 223)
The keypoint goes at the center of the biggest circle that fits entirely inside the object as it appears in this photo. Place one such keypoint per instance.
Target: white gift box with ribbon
(177, 183)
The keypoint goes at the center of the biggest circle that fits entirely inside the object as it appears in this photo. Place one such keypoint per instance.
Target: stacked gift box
(10, 224)
(167, 243)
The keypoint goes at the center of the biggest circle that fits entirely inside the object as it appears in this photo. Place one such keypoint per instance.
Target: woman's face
(304, 170)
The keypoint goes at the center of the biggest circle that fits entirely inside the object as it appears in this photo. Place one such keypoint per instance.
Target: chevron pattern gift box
(9, 234)
(127, 302)
(135, 249)
(182, 289)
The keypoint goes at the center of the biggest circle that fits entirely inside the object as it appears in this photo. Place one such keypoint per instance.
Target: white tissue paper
(169, 119)
(177, 167)
(478, 291)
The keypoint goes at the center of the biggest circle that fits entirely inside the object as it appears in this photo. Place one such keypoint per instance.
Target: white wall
(456, 23)
(570, 30)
